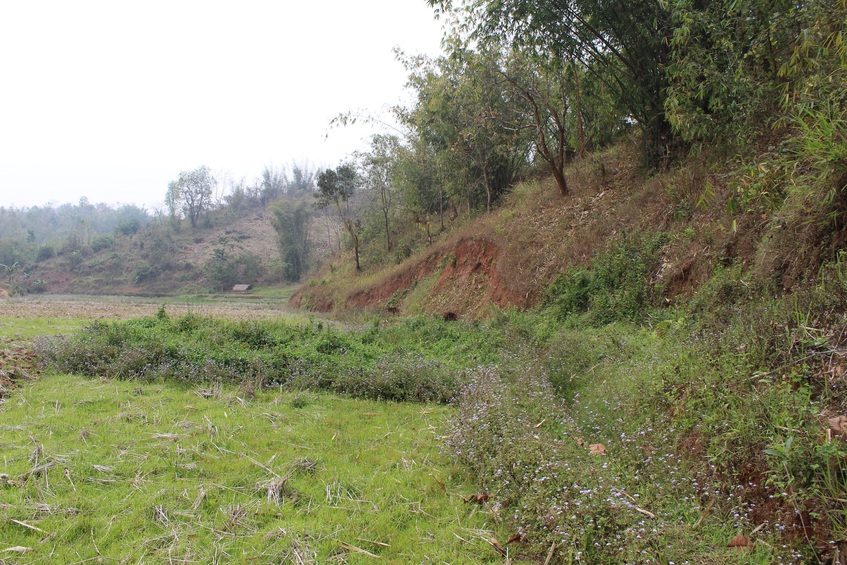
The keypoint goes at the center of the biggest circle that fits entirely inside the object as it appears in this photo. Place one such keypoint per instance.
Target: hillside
(160, 261)
(508, 259)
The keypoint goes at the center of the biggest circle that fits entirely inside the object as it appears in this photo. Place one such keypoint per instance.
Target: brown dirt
(509, 258)
(17, 363)
(468, 279)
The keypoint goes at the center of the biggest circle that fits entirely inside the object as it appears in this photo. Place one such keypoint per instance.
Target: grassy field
(595, 430)
(124, 471)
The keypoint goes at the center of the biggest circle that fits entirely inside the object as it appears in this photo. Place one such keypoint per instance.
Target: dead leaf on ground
(18, 549)
(740, 543)
(516, 538)
(479, 498)
(496, 545)
(838, 425)
(597, 449)
(579, 441)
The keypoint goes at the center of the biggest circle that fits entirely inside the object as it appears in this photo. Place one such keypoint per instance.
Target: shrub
(45, 252)
(420, 361)
(145, 272)
(615, 288)
(101, 242)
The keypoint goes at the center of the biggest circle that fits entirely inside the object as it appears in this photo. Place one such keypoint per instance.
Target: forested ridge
(521, 90)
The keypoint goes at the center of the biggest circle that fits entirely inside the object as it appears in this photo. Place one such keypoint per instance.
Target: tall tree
(194, 190)
(336, 188)
(291, 220)
(301, 180)
(378, 175)
(420, 187)
(274, 183)
(546, 90)
(459, 113)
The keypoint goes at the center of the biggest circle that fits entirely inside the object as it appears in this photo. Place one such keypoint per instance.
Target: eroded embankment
(457, 279)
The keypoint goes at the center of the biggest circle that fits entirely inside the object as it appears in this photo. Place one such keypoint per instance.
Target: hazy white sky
(112, 99)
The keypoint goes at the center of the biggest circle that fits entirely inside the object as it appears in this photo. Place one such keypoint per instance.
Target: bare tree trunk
(487, 191)
(441, 206)
(387, 230)
(580, 124)
(356, 249)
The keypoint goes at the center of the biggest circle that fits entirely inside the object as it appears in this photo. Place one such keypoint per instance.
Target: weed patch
(617, 286)
(419, 359)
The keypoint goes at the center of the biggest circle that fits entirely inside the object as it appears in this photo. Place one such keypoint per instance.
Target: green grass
(29, 328)
(155, 472)
(650, 442)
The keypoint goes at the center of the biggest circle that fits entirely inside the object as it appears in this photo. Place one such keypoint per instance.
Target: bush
(615, 288)
(101, 242)
(420, 361)
(128, 227)
(45, 252)
(144, 273)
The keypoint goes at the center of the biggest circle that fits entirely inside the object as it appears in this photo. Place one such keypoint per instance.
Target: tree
(10, 270)
(422, 191)
(546, 92)
(734, 61)
(378, 171)
(337, 188)
(172, 202)
(273, 184)
(192, 191)
(626, 44)
(301, 180)
(464, 115)
(291, 220)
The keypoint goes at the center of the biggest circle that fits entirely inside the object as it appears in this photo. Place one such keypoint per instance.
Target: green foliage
(615, 288)
(337, 188)
(144, 273)
(466, 122)
(418, 360)
(191, 193)
(626, 45)
(226, 268)
(711, 426)
(45, 252)
(102, 242)
(717, 88)
(53, 224)
(291, 220)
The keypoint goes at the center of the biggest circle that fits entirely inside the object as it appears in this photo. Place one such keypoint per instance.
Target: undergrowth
(419, 359)
(662, 443)
(600, 428)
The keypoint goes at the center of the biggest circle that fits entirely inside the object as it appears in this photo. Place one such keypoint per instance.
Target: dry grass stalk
(359, 550)
(159, 514)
